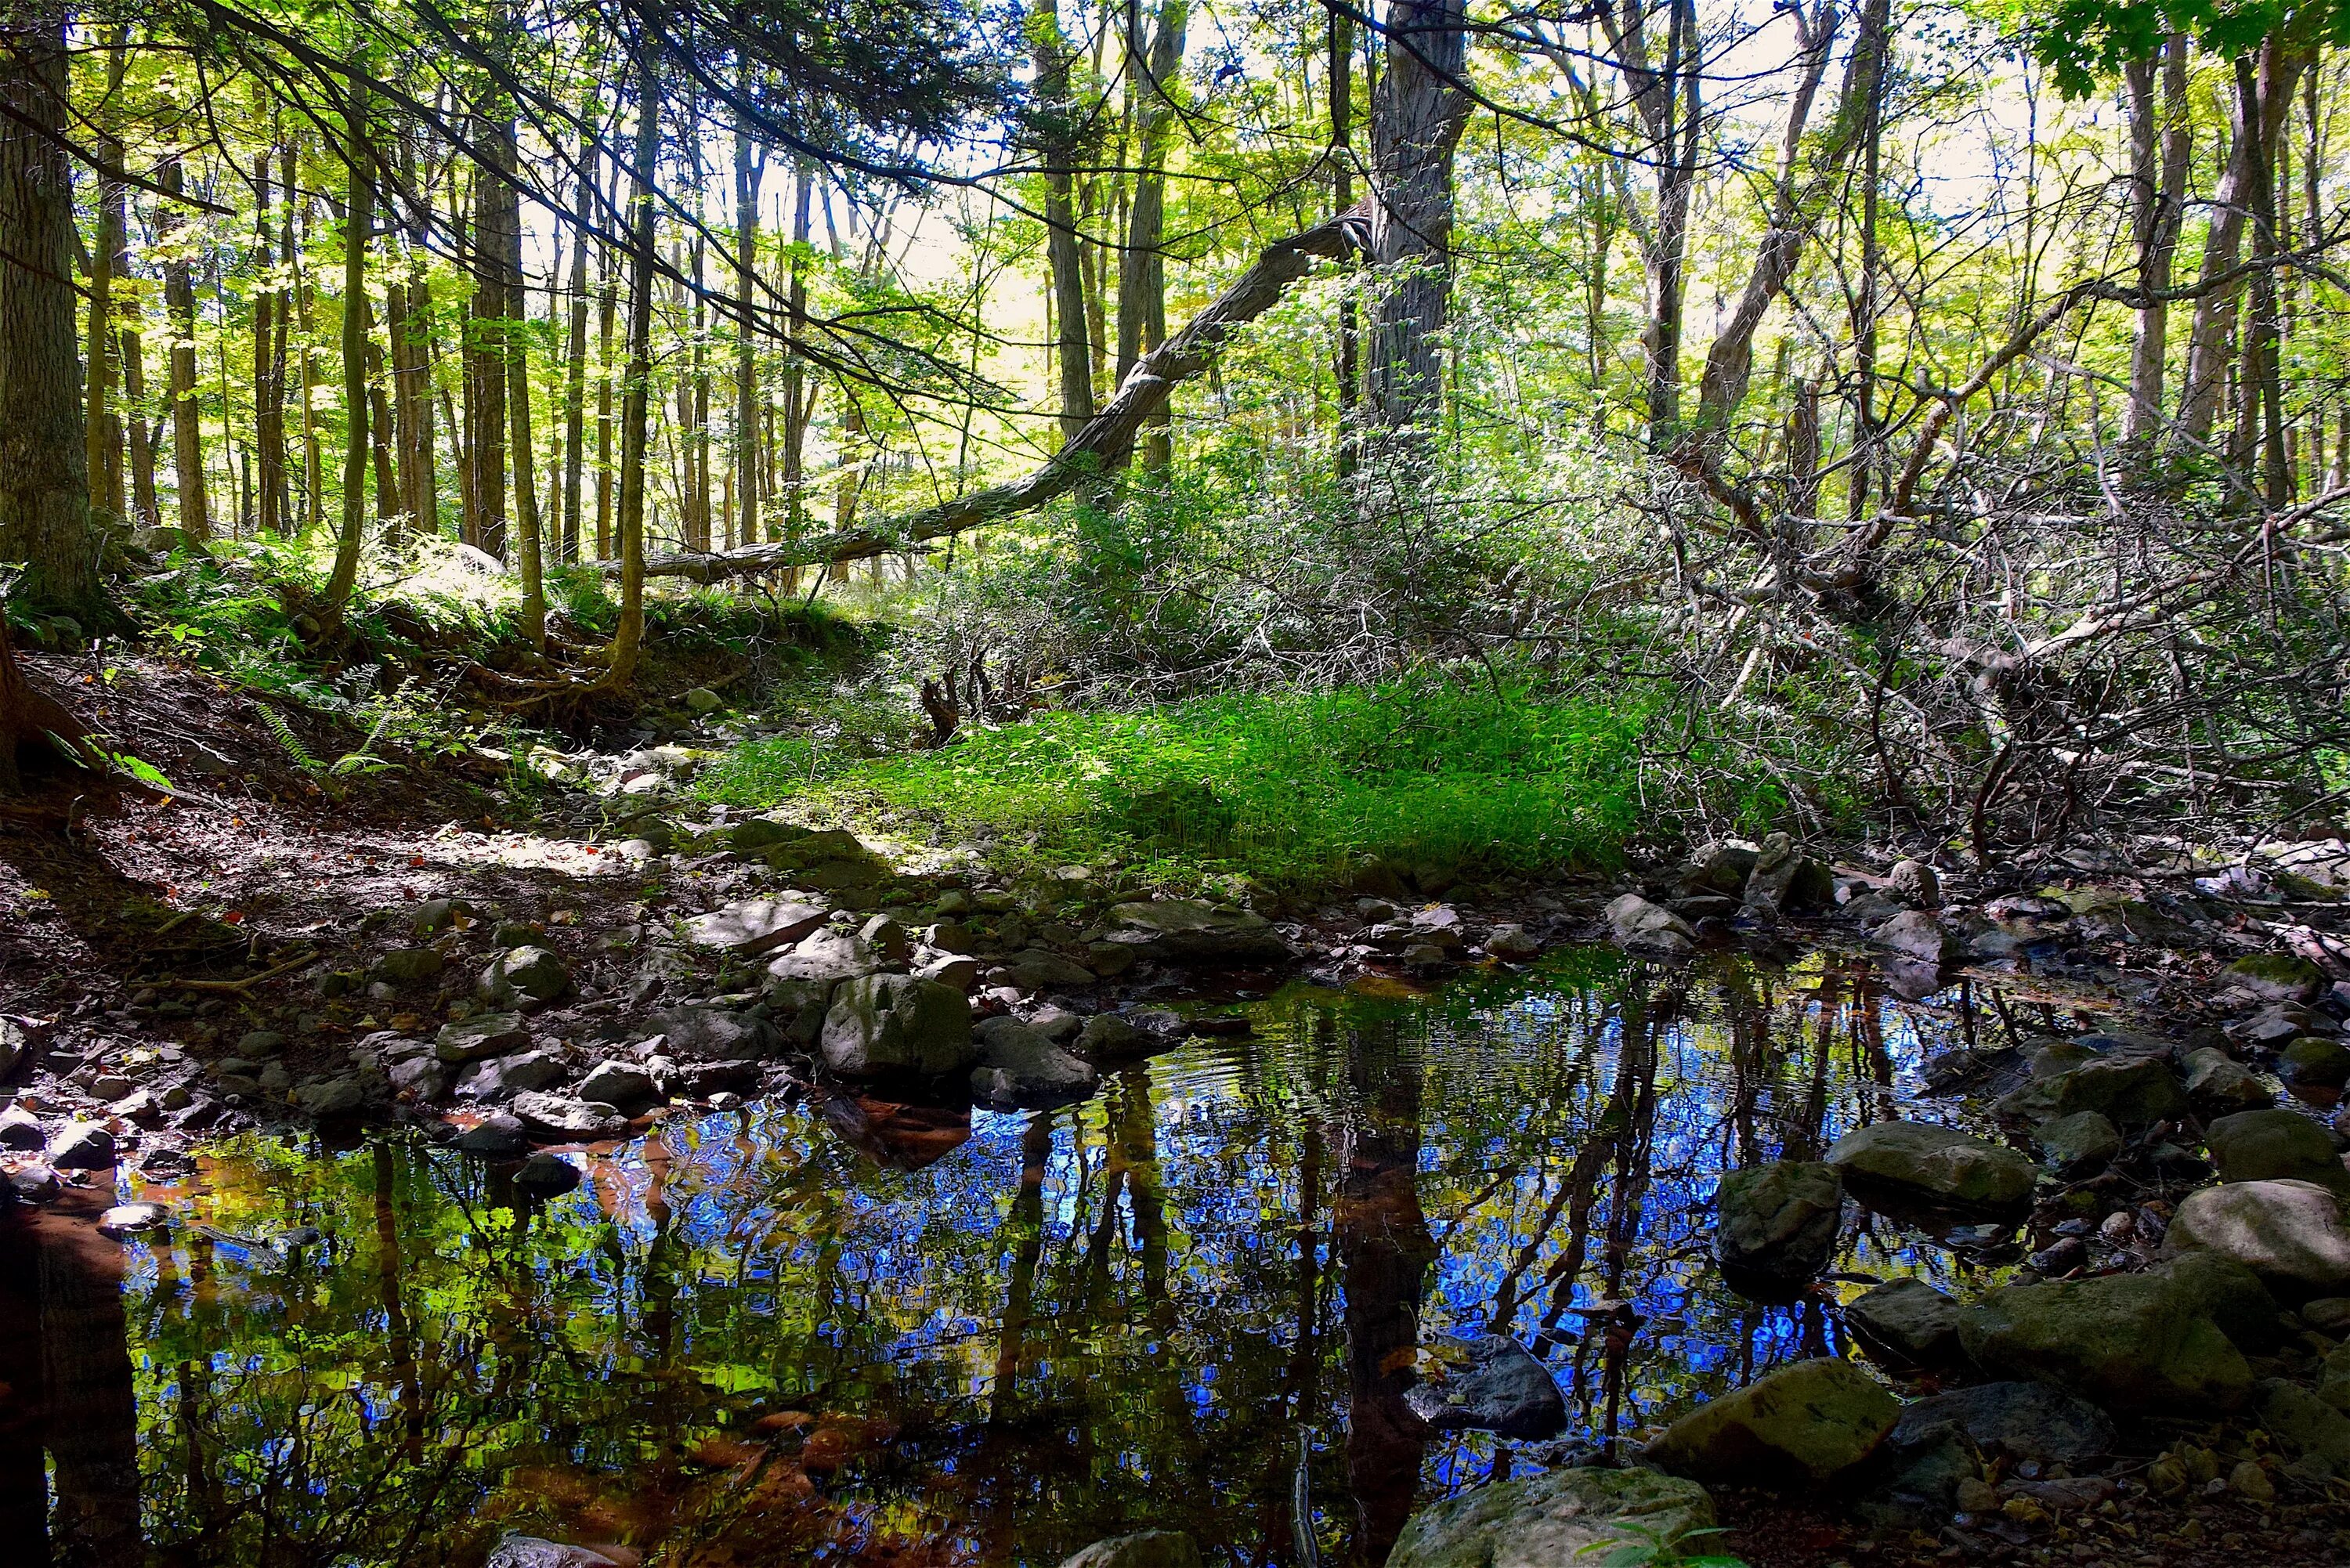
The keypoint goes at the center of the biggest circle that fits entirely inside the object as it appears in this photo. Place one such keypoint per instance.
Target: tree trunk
(607, 308)
(2209, 335)
(528, 560)
(1417, 114)
(1347, 368)
(798, 395)
(44, 476)
(628, 640)
(102, 438)
(486, 343)
(2160, 148)
(274, 500)
(359, 222)
(748, 170)
(1056, 132)
(1142, 269)
(1667, 97)
(187, 413)
(140, 434)
(574, 369)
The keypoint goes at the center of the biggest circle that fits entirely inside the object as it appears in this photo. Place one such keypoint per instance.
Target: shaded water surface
(846, 1331)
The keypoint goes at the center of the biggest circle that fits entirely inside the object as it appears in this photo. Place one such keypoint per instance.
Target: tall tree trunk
(628, 640)
(750, 166)
(1142, 270)
(268, 368)
(694, 397)
(187, 412)
(486, 339)
(2213, 326)
(516, 358)
(798, 395)
(102, 438)
(574, 376)
(1347, 368)
(1417, 114)
(607, 300)
(1667, 94)
(2160, 148)
(141, 433)
(43, 473)
(358, 222)
(1056, 133)
(2265, 92)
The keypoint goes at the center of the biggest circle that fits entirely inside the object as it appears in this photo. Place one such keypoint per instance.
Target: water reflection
(857, 1332)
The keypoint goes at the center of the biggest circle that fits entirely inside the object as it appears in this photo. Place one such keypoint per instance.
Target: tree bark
(103, 429)
(628, 640)
(43, 473)
(2160, 148)
(274, 500)
(187, 413)
(515, 355)
(1417, 114)
(1154, 69)
(359, 222)
(2217, 304)
(749, 169)
(798, 395)
(574, 367)
(1056, 136)
(485, 344)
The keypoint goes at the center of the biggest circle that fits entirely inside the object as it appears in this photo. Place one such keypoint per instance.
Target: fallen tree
(1104, 442)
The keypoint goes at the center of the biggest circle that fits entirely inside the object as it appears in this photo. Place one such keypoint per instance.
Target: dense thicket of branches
(1949, 406)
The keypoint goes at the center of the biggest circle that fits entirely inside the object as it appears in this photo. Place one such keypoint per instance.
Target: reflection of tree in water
(759, 1334)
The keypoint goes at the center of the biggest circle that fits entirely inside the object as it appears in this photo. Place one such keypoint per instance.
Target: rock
(955, 970)
(530, 974)
(2130, 1091)
(546, 1175)
(421, 1078)
(21, 1129)
(2227, 1292)
(1188, 931)
(1107, 1037)
(1512, 944)
(1717, 869)
(1909, 1325)
(2274, 1028)
(1777, 1226)
(1145, 1549)
(497, 1077)
(567, 1117)
(326, 1099)
(1636, 923)
(2275, 1145)
(1563, 1519)
(753, 926)
(2127, 1342)
(1057, 1024)
(2277, 977)
(486, 1034)
(1033, 969)
(2219, 1085)
(530, 1552)
(706, 1034)
(260, 1042)
(2313, 1061)
(1914, 882)
(827, 958)
(2328, 1314)
(129, 1219)
(1808, 1421)
(2293, 1234)
(1914, 934)
(1926, 1471)
(2082, 1143)
(623, 1085)
(435, 916)
(702, 700)
(886, 938)
(2334, 1379)
(409, 966)
(82, 1146)
(2023, 1421)
(1018, 1066)
(2303, 1425)
(762, 833)
(1487, 1384)
(1785, 880)
(896, 1024)
(495, 1137)
(1919, 1162)
(35, 1184)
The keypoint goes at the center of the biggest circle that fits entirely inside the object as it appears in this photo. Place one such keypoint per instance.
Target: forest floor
(146, 933)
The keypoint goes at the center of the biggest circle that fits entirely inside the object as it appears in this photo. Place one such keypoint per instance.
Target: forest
(749, 752)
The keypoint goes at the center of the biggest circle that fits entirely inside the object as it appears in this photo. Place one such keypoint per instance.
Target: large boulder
(1637, 924)
(2275, 1145)
(2314, 1062)
(1188, 930)
(2024, 1421)
(825, 958)
(896, 1024)
(2219, 1084)
(2129, 1090)
(754, 926)
(1914, 934)
(1909, 1325)
(1805, 1422)
(1719, 869)
(699, 1032)
(1487, 1384)
(1144, 1549)
(2277, 977)
(524, 974)
(1019, 1066)
(1777, 1226)
(1922, 1163)
(2304, 1426)
(1561, 1518)
(2127, 1342)
(2293, 1234)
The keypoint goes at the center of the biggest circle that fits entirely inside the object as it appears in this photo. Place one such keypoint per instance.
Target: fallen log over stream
(1105, 441)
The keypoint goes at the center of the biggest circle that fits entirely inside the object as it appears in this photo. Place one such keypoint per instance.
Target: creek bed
(833, 1330)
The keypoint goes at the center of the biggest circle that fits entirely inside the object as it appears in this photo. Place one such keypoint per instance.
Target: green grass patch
(1298, 790)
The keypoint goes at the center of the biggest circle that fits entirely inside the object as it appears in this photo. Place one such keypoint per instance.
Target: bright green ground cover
(1295, 789)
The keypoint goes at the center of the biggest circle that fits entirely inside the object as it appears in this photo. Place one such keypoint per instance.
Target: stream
(836, 1330)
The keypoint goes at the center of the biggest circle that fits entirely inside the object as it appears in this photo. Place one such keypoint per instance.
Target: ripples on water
(851, 1332)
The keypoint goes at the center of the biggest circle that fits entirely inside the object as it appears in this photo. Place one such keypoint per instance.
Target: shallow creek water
(843, 1331)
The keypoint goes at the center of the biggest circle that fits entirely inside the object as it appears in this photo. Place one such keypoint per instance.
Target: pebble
(129, 1219)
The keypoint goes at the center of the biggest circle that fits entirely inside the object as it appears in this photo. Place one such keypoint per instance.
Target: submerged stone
(1563, 1517)
(1487, 1384)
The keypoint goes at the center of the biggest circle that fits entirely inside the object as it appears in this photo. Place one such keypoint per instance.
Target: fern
(289, 739)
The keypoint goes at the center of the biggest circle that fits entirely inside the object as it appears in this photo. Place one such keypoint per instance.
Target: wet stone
(2219, 1085)
(622, 1084)
(2294, 1235)
(1808, 1421)
(1925, 1163)
(495, 1137)
(486, 1034)
(1487, 1384)
(2083, 1142)
(2023, 1421)
(21, 1129)
(2275, 1145)
(547, 1175)
(567, 1118)
(497, 1077)
(1777, 1225)
(2314, 1062)
(82, 1146)
(131, 1218)
(1144, 1549)
(1563, 1517)
(1908, 1325)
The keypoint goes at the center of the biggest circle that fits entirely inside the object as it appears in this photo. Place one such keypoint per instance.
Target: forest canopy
(1932, 411)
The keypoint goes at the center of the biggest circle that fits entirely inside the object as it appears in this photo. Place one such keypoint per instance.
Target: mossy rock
(1564, 1517)
(2279, 977)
